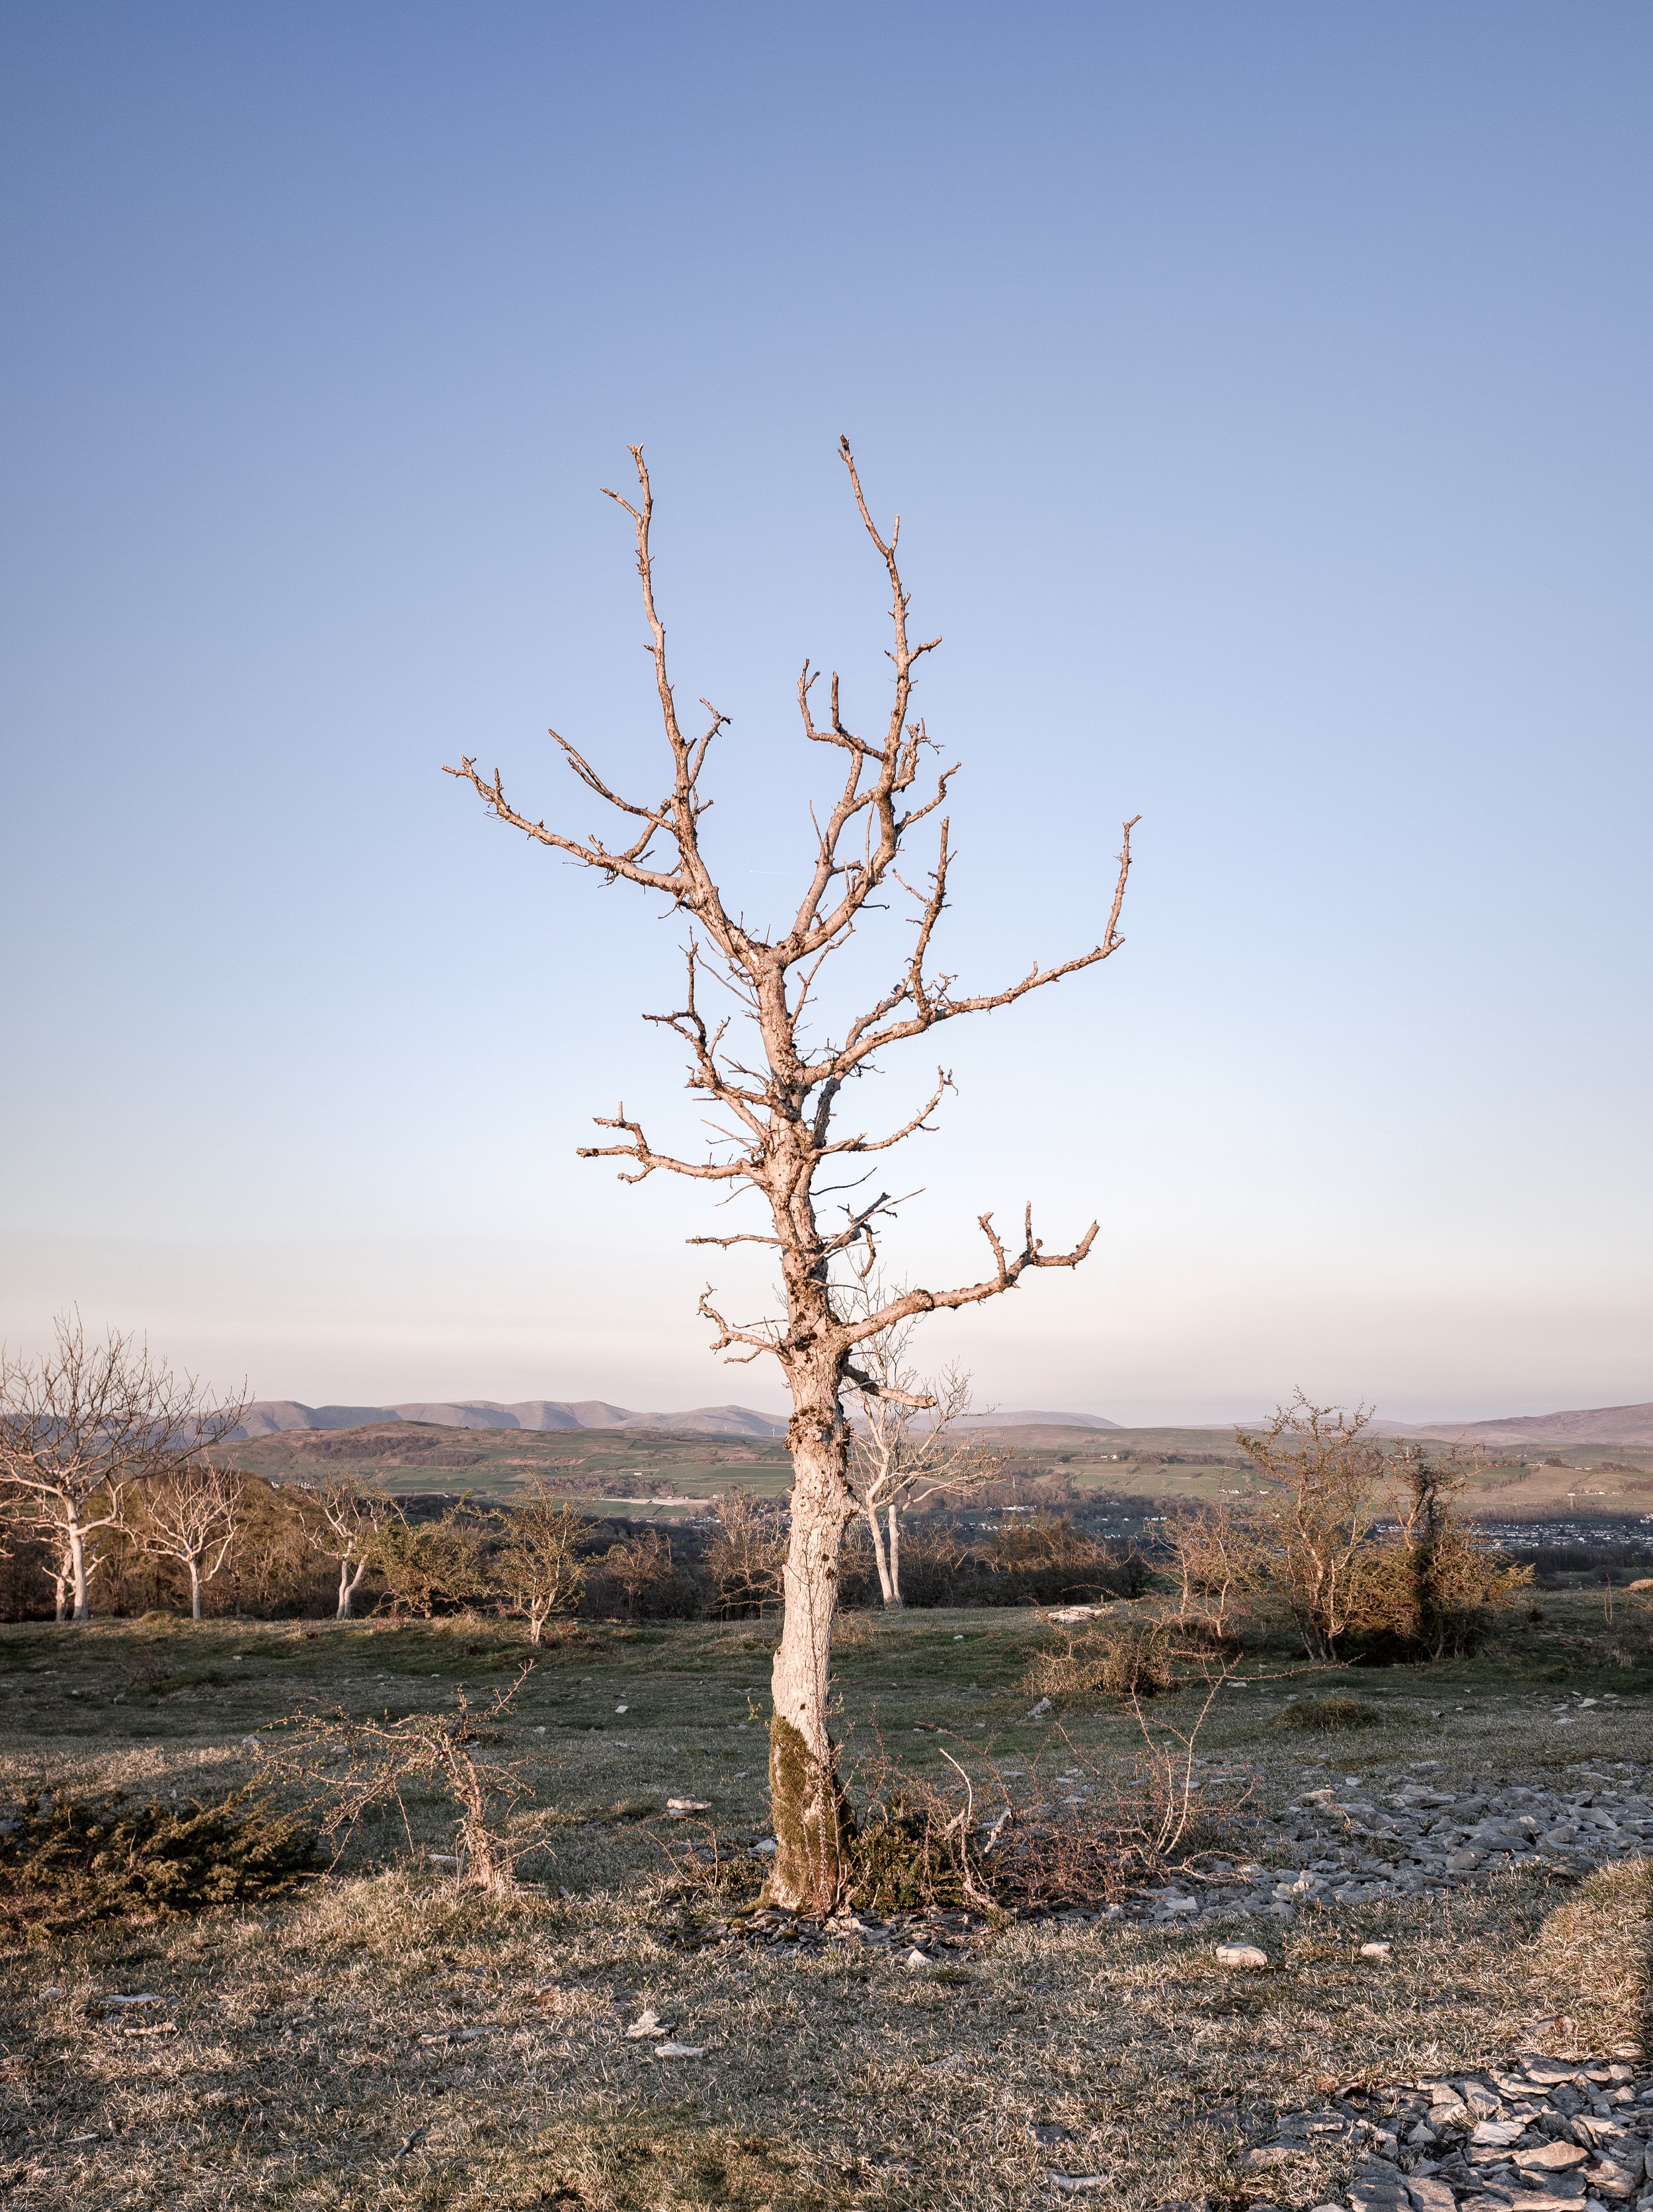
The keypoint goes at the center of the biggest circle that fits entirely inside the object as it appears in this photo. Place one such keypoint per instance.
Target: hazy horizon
(1262, 394)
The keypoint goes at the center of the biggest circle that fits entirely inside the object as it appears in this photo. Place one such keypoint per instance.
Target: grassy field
(386, 2039)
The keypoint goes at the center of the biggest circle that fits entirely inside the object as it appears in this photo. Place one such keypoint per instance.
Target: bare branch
(638, 1150)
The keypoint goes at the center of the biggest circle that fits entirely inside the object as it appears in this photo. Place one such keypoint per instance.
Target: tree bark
(895, 1597)
(195, 1588)
(811, 1818)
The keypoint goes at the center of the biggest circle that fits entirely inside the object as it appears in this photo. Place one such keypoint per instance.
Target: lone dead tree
(83, 1423)
(778, 1132)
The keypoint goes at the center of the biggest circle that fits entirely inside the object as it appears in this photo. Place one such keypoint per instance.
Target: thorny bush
(1133, 1659)
(350, 1767)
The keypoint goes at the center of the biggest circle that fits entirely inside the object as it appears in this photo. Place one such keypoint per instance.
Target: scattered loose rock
(1244, 1957)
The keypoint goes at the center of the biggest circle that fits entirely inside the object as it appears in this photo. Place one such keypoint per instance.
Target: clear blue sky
(1265, 389)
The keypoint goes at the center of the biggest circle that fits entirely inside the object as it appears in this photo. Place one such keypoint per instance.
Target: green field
(622, 1470)
(320, 2052)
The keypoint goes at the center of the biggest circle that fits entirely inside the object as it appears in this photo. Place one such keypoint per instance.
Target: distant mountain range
(269, 1416)
(1602, 1425)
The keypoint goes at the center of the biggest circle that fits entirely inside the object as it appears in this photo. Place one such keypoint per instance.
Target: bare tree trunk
(808, 1806)
(886, 1587)
(194, 1566)
(349, 1583)
(76, 1541)
(894, 1597)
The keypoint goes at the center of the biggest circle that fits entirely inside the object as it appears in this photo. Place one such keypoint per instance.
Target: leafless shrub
(349, 1768)
(639, 1565)
(1320, 1477)
(1066, 1830)
(744, 1557)
(1219, 1564)
(1084, 1835)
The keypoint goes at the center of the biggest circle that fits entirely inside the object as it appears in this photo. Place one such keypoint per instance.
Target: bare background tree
(536, 1569)
(343, 1524)
(747, 1556)
(905, 1451)
(80, 1425)
(776, 1133)
(190, 1515)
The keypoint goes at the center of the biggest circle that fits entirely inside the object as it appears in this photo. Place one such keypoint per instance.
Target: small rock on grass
(1376, 1950)
(1245, 1958)
(649, 2024)
(916, 1962)
(1079, 2185)
(679, 2051)
(680, 1805)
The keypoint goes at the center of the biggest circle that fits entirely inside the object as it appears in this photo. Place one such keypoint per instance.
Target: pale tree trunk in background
(775, 1096)
(349, 1580)
(888, 1585)
(77, 1563)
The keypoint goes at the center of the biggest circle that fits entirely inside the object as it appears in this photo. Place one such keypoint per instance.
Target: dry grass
(294, 2072)
(1334, 1712)
(1589, 1961)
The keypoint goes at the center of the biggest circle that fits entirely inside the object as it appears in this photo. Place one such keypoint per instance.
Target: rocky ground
(1548, 2136)
(1408, 1831)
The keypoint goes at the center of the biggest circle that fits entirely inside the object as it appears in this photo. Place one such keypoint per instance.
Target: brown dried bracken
(775, 1131)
